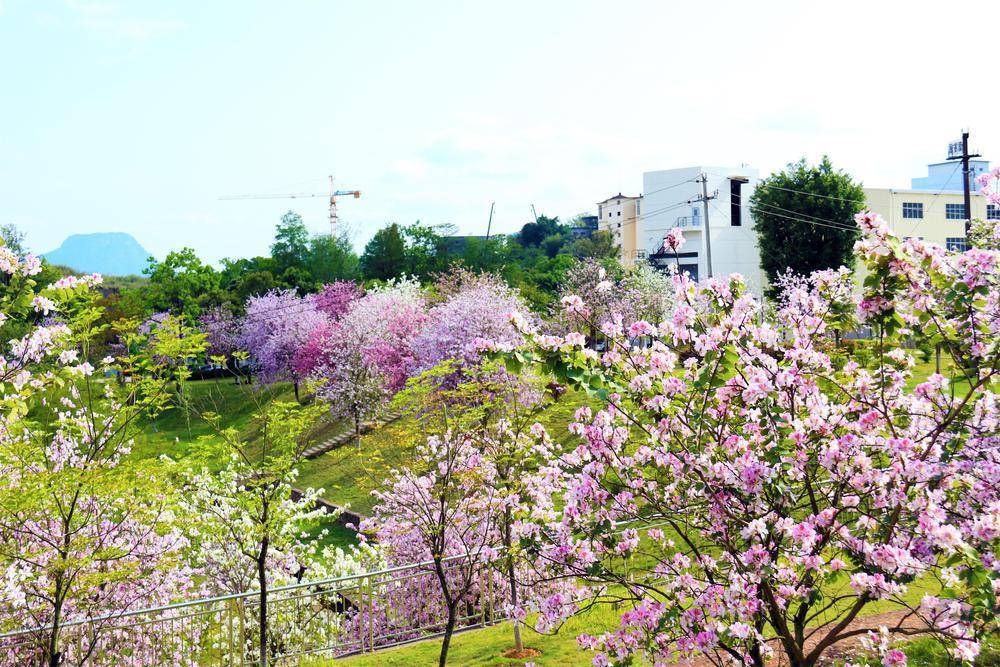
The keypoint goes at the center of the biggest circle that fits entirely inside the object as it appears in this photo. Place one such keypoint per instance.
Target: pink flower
(673, 240)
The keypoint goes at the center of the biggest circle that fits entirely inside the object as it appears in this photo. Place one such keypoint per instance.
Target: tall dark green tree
(385, 255)
(426, 253)
(331, 258)
(804, 217)
(291, 242)
(534, 233)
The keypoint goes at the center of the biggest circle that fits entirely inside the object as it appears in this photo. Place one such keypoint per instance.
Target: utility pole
(490, 222)
(535, 215)
(966, 180)
(704, 199)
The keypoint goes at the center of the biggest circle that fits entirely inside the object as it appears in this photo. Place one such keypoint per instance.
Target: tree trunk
(262, 609)
(296, 385)
(451, 607)
(449, 630)
(53, 648)
(357, 431)
(511, 579)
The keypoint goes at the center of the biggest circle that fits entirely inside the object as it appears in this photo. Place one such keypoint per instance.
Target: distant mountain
(108, 253)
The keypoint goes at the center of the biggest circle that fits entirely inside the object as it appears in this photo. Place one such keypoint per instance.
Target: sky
(138, 117)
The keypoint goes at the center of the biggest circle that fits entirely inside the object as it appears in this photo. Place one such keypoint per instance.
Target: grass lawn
(175, 431)
(484, 647)
(349, 474)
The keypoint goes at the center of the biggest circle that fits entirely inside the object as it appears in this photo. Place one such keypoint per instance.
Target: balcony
(689, 222)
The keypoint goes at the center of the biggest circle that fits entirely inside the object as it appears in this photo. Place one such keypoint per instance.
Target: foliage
(181, 284)
(384, 257)
(331, 259)
(803, 216)
(13, 238)
(291, 243)
(763, 490)
(84, 532)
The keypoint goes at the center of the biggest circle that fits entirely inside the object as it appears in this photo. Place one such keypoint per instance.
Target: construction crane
(332, 194)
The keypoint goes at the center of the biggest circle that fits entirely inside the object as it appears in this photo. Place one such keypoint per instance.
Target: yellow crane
(332, 194)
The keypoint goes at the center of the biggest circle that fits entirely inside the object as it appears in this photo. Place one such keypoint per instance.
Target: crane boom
(332, 194)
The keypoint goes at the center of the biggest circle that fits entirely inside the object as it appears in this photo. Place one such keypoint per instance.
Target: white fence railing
(329, 618)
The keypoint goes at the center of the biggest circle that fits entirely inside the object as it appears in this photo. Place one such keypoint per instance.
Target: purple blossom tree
(334, 298)
(474, 316)
(275, 327)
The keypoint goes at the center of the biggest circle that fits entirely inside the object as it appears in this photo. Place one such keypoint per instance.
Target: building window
(913, 209)
(956, 244)
(735, 202)
(690, 269)
(992, 212)
(619, 214)
(954, 211)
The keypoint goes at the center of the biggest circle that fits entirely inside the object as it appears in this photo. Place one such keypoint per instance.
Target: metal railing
(332, 617)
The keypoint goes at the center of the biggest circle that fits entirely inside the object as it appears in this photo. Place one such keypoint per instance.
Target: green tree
(599, 245)
(13, 238)
(385, 255)
(486, 255)
(804, 217)
(182, 284)
(291, 242)
(533, 233)
(84, 525)
(331, 259)
(426, 253)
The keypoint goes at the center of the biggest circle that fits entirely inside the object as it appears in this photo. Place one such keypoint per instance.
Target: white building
(670, 198)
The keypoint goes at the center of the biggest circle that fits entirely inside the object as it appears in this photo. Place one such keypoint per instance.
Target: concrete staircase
(346, 436)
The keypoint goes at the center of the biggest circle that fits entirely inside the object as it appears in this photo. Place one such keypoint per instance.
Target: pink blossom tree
(499, 441)
(747, 496)
(359, 362)
(334, 298)
(441, 510)
(592, 294)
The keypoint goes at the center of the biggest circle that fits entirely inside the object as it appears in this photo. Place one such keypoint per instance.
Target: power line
(811, 194)
(806, 215)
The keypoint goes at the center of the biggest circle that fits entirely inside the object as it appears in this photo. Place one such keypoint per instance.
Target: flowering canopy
(276, 325)
(768, 490)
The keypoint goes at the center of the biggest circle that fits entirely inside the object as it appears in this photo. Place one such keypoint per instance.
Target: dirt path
(843, 649)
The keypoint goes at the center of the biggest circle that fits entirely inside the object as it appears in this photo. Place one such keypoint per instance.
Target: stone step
(346, 436)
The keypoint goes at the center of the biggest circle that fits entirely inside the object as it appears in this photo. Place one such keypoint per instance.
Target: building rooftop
(619, 196)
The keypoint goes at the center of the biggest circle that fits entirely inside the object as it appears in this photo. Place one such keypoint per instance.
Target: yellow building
(619, 216)
(936, 217)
